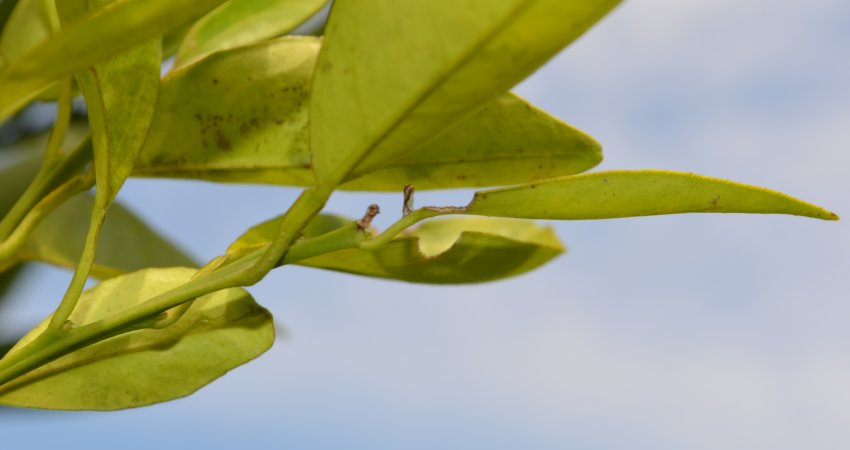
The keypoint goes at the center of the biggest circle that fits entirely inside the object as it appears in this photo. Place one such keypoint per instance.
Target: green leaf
(508, 141)
(239, 22)
(219, 332)
(614, 194)
(92, 38)
(451, 251)
(445, 59)
(234, 114)
(118, 126)
(14, 180)
(126, 243)
(454, 250)
(30, 23)
(6, 9)
(240, 116)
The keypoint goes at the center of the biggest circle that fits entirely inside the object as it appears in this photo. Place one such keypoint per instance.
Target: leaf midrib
(440, 81)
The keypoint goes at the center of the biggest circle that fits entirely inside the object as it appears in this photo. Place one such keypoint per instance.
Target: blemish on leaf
(222, 141)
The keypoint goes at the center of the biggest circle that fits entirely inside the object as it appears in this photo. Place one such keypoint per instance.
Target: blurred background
(679, 332)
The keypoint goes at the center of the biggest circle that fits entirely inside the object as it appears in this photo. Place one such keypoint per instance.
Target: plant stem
(407, 221)
(81, 274)
(306, 206)
(242, 272)
(49, 176)
(53, 200)
(60, 125)
(57, 342)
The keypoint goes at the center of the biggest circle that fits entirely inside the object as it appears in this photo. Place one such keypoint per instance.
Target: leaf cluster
(393, 96)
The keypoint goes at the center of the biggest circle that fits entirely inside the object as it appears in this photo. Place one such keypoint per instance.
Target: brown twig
(366, 221)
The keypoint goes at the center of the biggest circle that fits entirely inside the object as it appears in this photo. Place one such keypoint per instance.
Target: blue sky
(688, 332)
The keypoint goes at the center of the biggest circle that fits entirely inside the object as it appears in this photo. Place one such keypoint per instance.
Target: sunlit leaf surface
(454, 250)
(220, 331)
(608, 195)
(126, 243)
(240, 22)
(241, 116)
(378, 98)
(92, 38)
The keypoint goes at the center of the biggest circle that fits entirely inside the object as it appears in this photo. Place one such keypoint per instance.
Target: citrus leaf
(447, 251)
(219, 332)
(126, 244)
(30, 23)
(262, 234)
(14, 179)
(624, 193)
(378, 98)
(118, 127)
(92, 38)
(239, 22)
(234, 112)
(508, 141)
(216, 122)
(6, 9)
(451, 251)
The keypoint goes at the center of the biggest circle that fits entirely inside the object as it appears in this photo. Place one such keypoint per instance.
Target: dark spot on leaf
(214, 81)
(222, 141)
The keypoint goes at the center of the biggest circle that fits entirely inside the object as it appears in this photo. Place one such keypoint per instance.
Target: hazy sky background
(688, 332)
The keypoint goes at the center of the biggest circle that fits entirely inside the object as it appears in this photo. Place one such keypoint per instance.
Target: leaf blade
(220, 331)
(448, 251)
(118, 127)
(95, 37)
(420, 79)
(632, 193)
(127, 244)
(215, 123)
(239, 22)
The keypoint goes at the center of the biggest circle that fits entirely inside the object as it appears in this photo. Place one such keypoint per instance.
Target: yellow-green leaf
(239, 22)
(393, 74)
(508, 141)
(623, 193)
(240, 116)
(126, 244)
(451, 251)
(219, 331)
(30, 23)
(118, 126)
(14, 179)
(234, 114)
(447, 251)
(92, 38)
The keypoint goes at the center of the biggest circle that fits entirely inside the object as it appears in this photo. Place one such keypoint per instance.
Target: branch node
(407, 208)
(366, 221)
